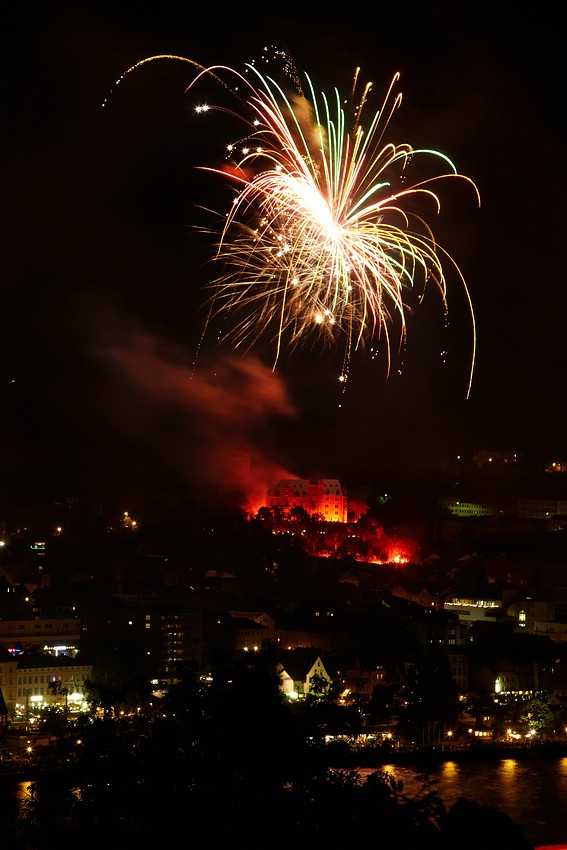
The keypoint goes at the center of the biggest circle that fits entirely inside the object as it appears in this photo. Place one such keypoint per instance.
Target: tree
(319, 686)
(56, 688)
(117, 684)
(431, 702)
(53, 721)
(233, 754)
(542, 714)
(383, 705)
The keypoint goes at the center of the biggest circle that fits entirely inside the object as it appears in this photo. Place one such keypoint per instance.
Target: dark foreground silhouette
(226, 763)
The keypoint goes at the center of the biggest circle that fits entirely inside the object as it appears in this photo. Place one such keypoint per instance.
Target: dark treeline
(227, 761)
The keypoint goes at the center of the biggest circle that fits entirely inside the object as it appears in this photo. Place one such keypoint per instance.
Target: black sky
(103, 271)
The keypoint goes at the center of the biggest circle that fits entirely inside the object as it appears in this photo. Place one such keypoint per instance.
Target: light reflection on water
(21, 794)
(533, 792)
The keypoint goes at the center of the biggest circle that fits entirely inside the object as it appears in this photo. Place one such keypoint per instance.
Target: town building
(56, 635)
(323, 497)
(302, 672)
(31, 683)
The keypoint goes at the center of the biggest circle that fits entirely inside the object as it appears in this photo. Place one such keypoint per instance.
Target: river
(533, 792)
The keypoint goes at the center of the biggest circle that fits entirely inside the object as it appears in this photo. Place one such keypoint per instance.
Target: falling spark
(323, 236)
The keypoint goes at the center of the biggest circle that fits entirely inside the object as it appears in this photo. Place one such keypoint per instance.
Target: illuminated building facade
(30, 685)
(298, 671)
(323, 497)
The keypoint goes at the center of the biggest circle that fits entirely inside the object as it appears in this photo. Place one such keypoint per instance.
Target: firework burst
(324, 237)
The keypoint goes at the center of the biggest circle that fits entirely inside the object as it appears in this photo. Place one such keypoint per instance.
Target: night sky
(103, 394)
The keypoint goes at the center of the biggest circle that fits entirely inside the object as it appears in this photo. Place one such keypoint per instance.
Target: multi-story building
(542, 508)
(464, 508)
(179, 640)
(164, 634)
(323, 497)
(459, 666)
(56, 635)
(539, 617)
(470, 609)
(31, 684)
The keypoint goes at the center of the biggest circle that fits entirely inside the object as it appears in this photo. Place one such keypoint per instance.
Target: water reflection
(532, 792)
(21, 795)
(450, 771)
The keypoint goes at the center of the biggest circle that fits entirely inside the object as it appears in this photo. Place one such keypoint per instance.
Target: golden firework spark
(324, 235)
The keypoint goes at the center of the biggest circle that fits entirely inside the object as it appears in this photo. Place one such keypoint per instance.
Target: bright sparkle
(332, 192)
(324, 234)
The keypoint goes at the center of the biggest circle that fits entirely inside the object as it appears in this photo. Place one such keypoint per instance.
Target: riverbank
(422, 757)
(341, 756)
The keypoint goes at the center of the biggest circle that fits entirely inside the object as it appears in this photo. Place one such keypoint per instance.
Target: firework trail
(325, 234)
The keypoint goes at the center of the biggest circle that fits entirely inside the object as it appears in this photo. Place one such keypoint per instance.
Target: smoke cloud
(205, 425)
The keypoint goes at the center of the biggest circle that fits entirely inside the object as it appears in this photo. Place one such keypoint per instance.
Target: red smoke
(221, 411)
